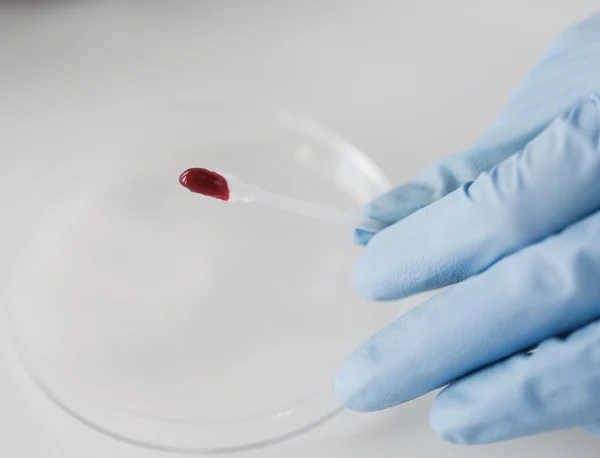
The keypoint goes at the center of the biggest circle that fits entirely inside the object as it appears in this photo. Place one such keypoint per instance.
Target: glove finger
(567, 72)
(553, 182)
(556, 387)
(541, 291)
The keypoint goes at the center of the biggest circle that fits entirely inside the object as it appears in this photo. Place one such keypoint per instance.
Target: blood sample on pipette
(205, 182)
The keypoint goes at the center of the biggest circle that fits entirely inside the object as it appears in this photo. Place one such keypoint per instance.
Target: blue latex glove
(514, 225)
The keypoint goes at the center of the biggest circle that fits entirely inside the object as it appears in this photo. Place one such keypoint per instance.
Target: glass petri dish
(174, 321)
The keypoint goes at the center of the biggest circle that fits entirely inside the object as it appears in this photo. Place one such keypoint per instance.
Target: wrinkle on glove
(526, 394)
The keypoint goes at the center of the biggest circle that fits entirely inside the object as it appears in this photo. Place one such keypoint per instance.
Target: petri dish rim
(98, 415)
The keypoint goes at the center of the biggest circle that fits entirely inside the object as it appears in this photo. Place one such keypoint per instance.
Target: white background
(364, 68)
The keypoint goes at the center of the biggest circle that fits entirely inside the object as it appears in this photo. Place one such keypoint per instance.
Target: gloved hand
(513, 224)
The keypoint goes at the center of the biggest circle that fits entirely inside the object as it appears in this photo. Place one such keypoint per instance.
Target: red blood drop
(205, 182)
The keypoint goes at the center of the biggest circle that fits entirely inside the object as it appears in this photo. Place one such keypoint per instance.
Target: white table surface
(362, 67)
